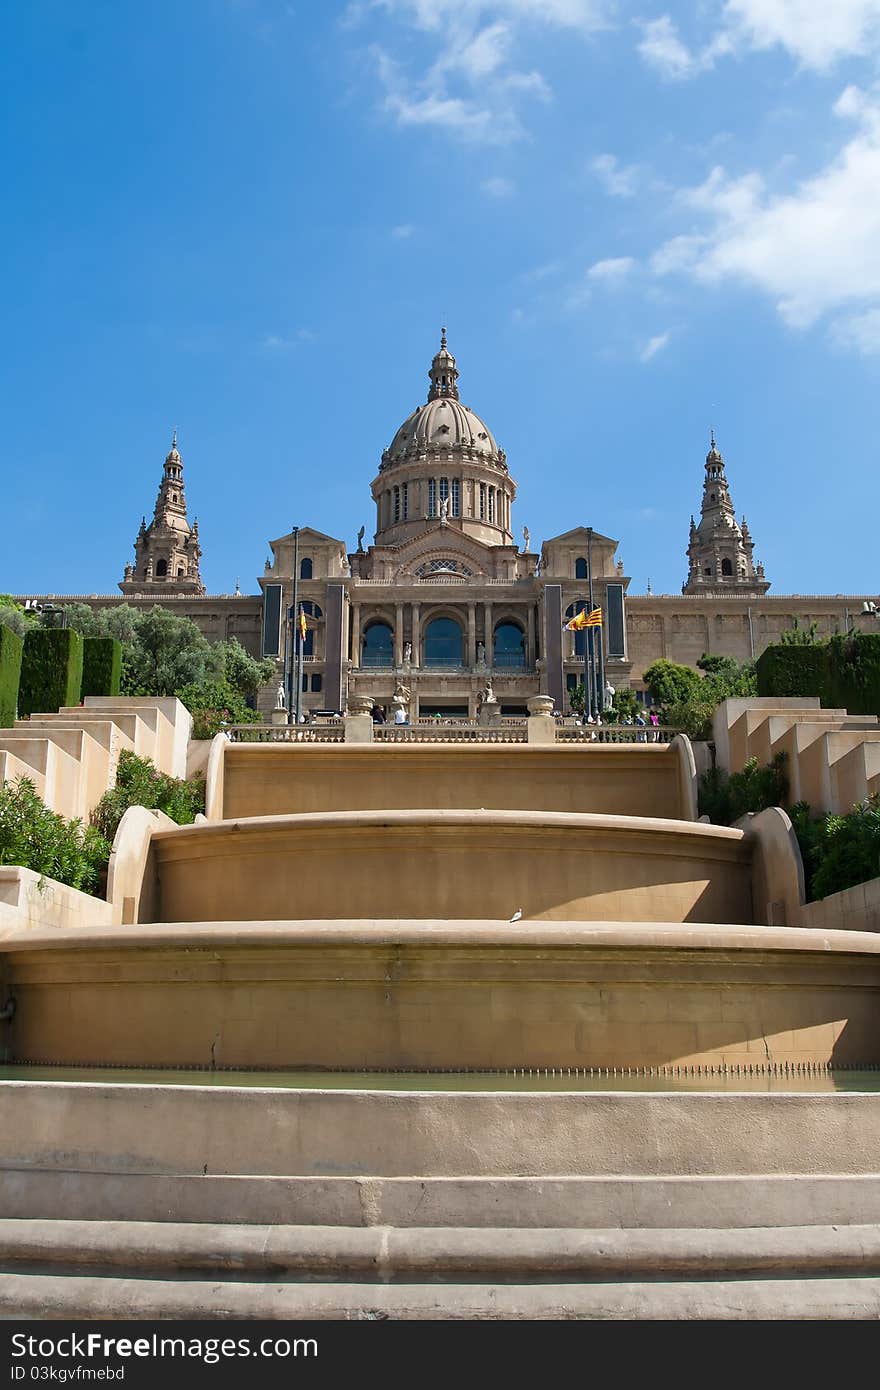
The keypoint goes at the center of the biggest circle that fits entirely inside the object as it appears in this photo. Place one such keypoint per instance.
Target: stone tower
(167, 552)
(719, 549)
(443, 464)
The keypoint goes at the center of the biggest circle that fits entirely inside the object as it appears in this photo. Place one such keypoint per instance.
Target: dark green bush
(102, 666)
(844, 672)
(51, 670)
(726, 799)
(214, 705)
(838, 851)
(36, 838)
(139, 784)
(792, 671)
(11, 647)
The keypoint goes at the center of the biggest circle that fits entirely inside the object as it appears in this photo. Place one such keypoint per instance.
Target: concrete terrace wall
(614, 779)
(454, 864)
(431, 994)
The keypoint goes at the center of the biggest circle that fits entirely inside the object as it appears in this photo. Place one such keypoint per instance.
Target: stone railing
(615, 733)
(463, 731)
(287, 733)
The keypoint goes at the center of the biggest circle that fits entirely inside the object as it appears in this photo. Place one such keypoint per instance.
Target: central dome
(443, 424)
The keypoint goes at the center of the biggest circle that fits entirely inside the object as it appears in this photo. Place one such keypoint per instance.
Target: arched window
(726, 566)
(305, 569)
(580, 568)
(443, 643)
(580, 638)
(311, 608)
(161, 569)
(308, 646)
(509, 650)
(377, 645)
(181, 572)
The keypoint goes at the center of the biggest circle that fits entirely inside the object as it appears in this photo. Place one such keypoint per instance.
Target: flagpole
(589, 677)
(293, 699)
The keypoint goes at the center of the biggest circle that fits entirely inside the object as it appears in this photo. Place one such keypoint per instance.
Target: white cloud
(498, 187)
(813, 250)
(618, 180)
(403, 231)
(276, 342)
(653, 346)
(662, 49)
(611, 271)
(818, 35)
(469, 83)
(859, 332)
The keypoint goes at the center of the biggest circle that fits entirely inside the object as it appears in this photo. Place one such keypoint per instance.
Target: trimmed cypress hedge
(791, 671)
(102, 666)
(844, 673)
(51, 670)
(11, 647)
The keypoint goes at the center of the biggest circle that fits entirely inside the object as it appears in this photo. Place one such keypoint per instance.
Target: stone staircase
(71, 757)
(597, 1205)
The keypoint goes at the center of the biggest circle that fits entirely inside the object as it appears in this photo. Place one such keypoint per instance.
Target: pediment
(579, 535)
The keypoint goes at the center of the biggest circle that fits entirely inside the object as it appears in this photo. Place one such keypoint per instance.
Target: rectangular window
(456, 497)
(491, 504)
(615, 627)
(432, 497)
(317, 683)
(397, 504)
(482, 501)
(405, 501)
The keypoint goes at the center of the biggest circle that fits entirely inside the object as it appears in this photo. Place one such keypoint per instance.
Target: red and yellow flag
(302, 624)
(585, 619)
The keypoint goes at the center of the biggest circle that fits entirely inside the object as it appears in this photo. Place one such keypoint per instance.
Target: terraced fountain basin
(452, 865)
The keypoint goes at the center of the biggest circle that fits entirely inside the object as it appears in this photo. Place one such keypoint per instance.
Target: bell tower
(167, 552)
(719, 549)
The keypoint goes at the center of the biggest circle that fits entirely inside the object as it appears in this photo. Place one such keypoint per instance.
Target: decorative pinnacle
(712, 438)
(443, 338)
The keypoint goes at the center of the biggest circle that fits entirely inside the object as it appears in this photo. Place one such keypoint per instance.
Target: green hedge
(791, 671)
(102, 666)
(51, 670)
(853, 681)
(11, 647)
(844, 673)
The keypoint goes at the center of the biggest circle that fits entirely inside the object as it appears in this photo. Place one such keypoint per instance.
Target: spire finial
(174, 438)
(712, 437)
(443, 338)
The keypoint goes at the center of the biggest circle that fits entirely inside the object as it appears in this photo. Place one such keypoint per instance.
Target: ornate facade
(445, 599)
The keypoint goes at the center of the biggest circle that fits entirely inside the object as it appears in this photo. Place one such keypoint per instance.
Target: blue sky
(248, 219)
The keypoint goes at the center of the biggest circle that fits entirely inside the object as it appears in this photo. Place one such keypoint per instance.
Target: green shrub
(788, 671)
(838, 851)
(214, 705)
(36, 838)
(139, 784)
(51, 670)
(725, 799)
(853, 678)
(102, 666)
(11, 647)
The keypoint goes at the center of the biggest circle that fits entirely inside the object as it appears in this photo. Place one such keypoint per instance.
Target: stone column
(416, 637)
(530, 638)
(489, 636)
(472, 635)
(398, 635)
(355, 635)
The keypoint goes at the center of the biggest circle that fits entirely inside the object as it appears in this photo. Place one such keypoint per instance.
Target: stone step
(36, 1296)
(649, 1202)
(179, 1249)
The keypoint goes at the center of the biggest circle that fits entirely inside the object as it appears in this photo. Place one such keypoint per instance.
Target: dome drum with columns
(443, 463)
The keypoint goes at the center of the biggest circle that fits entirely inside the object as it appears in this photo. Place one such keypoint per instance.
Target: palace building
(445, 598)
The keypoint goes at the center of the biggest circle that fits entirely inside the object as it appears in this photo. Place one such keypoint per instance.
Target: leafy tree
(725, 799)
(670, 683)
(838, 851)
(13, 615)
(215, 704)
(625, 705)
(797, 636)
(169, 653)
(243, 672)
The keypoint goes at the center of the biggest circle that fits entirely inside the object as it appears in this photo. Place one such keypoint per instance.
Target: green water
(562, 1080)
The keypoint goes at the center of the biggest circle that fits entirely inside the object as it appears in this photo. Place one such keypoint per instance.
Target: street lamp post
(294, 692)
(589, 680)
